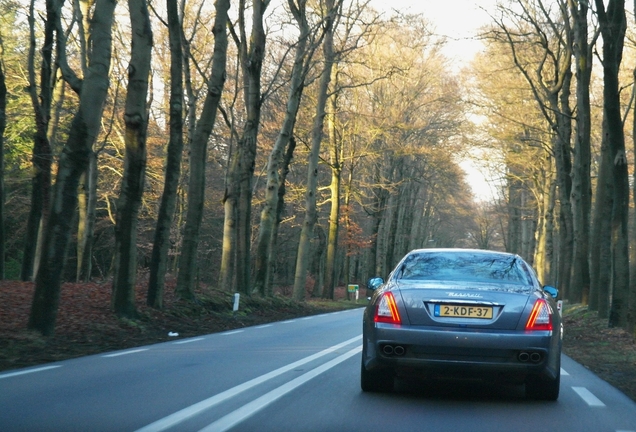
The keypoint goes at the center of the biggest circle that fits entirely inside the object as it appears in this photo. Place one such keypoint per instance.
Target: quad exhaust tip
(532, 357)
(393, 350)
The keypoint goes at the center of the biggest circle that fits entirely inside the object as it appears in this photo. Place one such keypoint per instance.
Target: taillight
(541, 316)
(387, 311)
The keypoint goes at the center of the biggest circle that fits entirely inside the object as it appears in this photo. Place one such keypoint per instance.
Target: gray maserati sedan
(462, 313)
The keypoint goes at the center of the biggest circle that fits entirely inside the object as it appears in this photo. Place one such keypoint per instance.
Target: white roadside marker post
(236, 302)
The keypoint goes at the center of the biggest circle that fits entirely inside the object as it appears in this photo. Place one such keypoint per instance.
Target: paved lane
(300, 375)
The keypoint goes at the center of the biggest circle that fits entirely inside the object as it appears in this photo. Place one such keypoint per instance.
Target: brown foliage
(608, 352)
(86, 325)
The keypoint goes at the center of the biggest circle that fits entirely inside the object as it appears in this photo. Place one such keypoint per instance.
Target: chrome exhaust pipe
(399, 350)
(387, 349)
(535, 357)
(523, 357)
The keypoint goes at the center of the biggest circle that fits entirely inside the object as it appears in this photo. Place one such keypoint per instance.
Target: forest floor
(86, 325)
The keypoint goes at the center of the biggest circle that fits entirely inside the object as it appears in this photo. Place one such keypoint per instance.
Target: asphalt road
(298, 375)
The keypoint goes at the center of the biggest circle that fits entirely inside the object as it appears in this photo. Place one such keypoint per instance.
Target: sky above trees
(457, 20)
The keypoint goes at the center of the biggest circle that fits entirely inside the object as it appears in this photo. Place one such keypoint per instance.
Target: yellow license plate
(463, 311)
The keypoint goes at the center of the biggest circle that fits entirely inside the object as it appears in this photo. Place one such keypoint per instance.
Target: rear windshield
(477, 267)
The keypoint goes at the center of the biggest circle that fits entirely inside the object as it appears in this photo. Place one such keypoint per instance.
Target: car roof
(462, 250)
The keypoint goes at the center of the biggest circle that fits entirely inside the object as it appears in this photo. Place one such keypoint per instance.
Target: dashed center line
(588, 397)
(563, 372)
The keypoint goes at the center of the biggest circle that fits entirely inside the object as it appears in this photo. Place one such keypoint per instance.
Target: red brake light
(541, 316)
(387, 311)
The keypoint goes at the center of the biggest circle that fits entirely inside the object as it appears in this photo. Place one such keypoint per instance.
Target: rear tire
(377, 381)
(543, 389)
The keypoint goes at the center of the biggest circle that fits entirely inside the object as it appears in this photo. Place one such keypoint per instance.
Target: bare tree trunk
(132, 187)
(317, 268)
(3, 125)
(349, 251)
(265, 250)
(613, 25)
(334, 189)
(228, 258)
(631, 322)
(601, 236)
(161, 244)
(82, 221)
(514, 214)
(198, 156)
(86, 233)
(581, 182)
(252, 62)
(378, 209)
(563, 160)
(528, 228)
(545, 229)
(72, 164)
(42, 156)
(88, 183)
(304, 243)
(287, 159)
(415, 240)
(392, 231)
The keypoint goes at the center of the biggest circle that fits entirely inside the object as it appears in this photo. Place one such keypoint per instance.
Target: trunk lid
(464, 304)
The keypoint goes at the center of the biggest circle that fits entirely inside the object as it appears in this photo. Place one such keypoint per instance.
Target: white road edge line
(125, 353)
(24, 372)
(192, 410)
(232, 332)
(181, 342)
(588, 397)
(264, 326)
(247, 410)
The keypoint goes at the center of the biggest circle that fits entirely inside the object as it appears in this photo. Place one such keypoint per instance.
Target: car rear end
(437, 331)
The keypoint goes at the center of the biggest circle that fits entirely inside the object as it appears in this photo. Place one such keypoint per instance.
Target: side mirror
(551, 290)
(374, 283)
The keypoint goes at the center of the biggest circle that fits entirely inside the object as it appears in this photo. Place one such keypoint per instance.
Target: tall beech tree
(72, 164)
(540, 42)
(238, 194)
(631, 325)
(132, 187)
(265, 248)
(198, 154)
(581, 181)
(335, 166)
(520, 150)
(309, 221)
(87, 198)
(42, 154)
(3, 125)
(161, 243)
(613, 23)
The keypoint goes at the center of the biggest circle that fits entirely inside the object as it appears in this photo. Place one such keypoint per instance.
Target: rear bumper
(461, 352)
